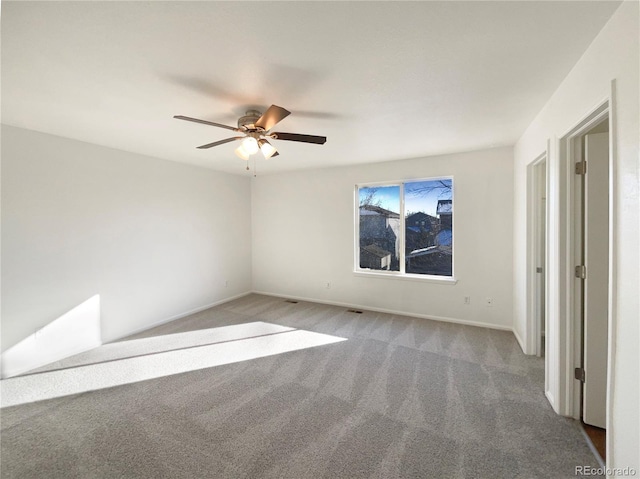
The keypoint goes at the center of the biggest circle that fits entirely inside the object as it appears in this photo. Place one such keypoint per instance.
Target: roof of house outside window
(371, 210)
(445, 207)
(376, 250)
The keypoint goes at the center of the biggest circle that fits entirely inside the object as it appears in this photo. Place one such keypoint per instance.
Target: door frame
(534, 251)
(567, 243)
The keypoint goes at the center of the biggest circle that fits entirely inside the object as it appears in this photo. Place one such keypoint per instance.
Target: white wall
(303, 237)
(154, 239)
(613, 55)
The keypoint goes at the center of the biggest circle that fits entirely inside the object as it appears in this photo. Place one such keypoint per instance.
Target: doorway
(577, 274)
(537, 199)
(584, 254)
(592, 274)
(593, 278)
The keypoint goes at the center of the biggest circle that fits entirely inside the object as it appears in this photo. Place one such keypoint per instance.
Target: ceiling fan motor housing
(248, 121)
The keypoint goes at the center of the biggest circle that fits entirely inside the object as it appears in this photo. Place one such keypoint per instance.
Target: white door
(596, 284)
(543, 276)
(541, 234)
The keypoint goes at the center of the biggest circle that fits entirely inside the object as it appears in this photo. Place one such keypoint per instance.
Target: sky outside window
(387, 197)
(418, 195)
(424, 195)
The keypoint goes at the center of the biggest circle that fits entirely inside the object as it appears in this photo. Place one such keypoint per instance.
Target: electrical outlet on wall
(327, 285)
(467, 300)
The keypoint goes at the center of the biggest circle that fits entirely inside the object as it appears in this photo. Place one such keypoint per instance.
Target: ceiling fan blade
(318, 140)
(273, 115)
(221, 142)
(204, 122)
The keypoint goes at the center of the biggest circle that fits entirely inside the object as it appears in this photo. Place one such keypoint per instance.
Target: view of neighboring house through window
(380, 227)
(418, 241)
(428, 212)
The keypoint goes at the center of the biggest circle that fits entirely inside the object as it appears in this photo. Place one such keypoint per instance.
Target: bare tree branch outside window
(443, 187)
(370, 198)
(407, 227)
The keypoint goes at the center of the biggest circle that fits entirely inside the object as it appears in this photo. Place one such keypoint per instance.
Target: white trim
(520, 341)
(590, 119)
(444, 280)
(561, 346)
(566, 316)
(180, 316)
(530, 250)
(389, 311)
(547, 263)
(574, 326)
(356, 228)
(613, 271)
(552, 401)
(402, 234)
(533, 329)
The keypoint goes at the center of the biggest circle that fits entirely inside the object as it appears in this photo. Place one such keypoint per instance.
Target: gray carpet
(402, 397)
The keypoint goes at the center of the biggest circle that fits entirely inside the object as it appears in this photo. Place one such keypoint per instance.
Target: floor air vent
(357, 311)
(290, 301)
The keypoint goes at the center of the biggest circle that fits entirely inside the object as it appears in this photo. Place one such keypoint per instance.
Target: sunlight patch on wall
(75, 380)
(74, 332)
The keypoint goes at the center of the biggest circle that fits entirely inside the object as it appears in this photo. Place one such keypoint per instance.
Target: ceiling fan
(256, 126)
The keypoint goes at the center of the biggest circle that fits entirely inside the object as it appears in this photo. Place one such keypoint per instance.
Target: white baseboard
(520, 341)
(180, 316)
(391, 311)
(552, 401)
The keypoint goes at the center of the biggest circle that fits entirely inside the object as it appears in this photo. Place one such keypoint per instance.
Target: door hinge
(581, 168)
(581, 271)
(538, 269)
(579, 374)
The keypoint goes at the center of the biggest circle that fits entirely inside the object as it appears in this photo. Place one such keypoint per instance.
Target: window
(406, 227)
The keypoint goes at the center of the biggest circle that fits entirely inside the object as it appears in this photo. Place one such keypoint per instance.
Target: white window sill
(444, 280)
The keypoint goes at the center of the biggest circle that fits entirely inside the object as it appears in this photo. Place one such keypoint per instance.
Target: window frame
(401, 274)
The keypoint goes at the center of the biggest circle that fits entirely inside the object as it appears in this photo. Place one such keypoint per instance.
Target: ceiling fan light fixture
(255, 128)
(242, 153)
(250, 145)
(268, 150)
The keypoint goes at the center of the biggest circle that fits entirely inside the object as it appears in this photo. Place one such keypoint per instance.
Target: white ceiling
(382, 80)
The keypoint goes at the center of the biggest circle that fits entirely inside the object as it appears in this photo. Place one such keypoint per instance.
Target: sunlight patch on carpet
(92, 377)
